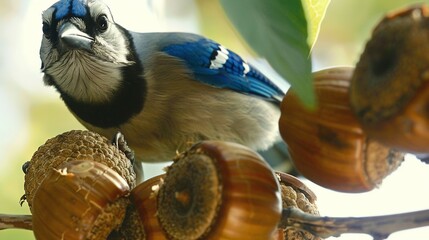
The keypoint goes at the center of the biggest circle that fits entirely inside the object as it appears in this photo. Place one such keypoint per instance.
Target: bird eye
(46, 30)
(102, 23)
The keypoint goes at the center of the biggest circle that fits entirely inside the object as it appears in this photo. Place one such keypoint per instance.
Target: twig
(15, 221)
(379, 227)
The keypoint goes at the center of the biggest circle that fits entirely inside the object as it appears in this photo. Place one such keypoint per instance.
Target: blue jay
(161, 90)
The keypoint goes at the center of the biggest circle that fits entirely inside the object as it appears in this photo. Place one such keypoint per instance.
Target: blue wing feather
(219, 67)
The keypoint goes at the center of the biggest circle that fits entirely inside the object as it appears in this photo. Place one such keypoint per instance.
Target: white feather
(85, 77)
(221, 58)
(246, 68)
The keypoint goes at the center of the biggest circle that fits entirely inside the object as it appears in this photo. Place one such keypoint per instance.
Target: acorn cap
(389, 90)
(131, 228)
(296, 194)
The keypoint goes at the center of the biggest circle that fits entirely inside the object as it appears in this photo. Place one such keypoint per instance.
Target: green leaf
(315, 12)
(277, 30)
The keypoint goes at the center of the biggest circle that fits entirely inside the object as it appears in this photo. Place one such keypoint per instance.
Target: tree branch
(15, 221)
(379, 227)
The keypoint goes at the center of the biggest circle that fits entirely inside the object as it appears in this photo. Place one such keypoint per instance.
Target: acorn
(79, 200)
(296, 194)
(218, 190)
(76, 186)
(389, 90)
(144, 199)
(327, 144)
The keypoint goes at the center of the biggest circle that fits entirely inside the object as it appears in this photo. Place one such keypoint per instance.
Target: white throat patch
(85, 77)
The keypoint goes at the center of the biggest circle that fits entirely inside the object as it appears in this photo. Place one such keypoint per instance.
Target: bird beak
(74, 38)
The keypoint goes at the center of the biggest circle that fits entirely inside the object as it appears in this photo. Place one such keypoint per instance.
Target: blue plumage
(217, 66)
(65, 8)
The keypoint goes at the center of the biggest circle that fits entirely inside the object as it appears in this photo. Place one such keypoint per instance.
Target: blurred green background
(32, 113)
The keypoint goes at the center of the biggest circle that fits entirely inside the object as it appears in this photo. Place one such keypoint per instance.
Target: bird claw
(22, 199)
(119, 141)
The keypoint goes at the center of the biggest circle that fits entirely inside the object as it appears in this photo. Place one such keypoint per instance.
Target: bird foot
(119, 141)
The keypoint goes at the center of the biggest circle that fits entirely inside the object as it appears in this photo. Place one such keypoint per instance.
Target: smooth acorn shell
(327, 144)
(390, 89)
(144, 198)
(79, 200)
(219, 190)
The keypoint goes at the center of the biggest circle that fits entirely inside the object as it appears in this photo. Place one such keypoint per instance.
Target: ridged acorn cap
(296, 194)
(389, 91)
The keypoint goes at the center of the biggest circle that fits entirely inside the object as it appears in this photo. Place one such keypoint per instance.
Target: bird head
(83, 49)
